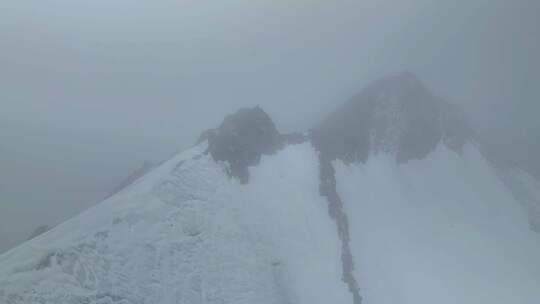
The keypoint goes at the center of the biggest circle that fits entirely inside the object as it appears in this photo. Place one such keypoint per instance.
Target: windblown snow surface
(188, 233)
(439, 230)
(444, 229)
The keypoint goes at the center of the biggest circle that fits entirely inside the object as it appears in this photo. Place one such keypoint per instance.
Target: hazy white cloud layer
(91, 89)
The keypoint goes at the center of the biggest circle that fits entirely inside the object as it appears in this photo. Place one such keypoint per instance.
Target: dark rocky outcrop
(327, 188)
(242, 139)
(396, 115)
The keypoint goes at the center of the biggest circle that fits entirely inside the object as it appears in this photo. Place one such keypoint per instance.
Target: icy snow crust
(444, 229)
(187, 233)
(439, 230)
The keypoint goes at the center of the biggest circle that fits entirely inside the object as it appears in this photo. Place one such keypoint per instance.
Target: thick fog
(89, 90)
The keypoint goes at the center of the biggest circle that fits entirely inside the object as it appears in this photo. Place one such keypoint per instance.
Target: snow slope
(440, 230)
(187, 233)
(444, 229)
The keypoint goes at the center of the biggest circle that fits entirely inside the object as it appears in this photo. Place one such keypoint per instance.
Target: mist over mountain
(91, 90)
(389, 198)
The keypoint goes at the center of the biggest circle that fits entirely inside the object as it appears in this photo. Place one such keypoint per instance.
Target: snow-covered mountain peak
(250, 215)
(394, 115)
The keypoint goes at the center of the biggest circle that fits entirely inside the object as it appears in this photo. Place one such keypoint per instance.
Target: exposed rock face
(241, 140)
(396, 115)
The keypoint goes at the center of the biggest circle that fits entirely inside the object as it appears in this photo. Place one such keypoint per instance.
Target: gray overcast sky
(91, 89)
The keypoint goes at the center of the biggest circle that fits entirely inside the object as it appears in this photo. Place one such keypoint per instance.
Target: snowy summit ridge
(395, 115)
(388, 200)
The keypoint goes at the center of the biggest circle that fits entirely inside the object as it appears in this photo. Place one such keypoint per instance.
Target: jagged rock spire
(241, 140)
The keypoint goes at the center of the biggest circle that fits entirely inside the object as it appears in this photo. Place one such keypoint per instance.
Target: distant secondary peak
(396, 115)
(242, 139)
